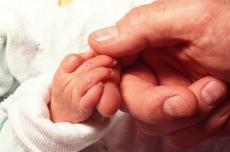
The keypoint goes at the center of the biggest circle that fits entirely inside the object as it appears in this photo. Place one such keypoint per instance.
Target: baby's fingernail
(105, 35)
(111, 72)
(213, 92)
(100, 84)
(114, 63)
(176, 106)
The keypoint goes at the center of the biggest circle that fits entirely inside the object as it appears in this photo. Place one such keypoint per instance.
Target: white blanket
(35, 35)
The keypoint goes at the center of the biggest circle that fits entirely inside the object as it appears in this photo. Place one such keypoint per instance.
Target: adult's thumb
(157, 24)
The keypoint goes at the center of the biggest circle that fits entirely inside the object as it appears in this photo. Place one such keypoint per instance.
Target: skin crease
(81, 87)
(189, 41)
(183, 45)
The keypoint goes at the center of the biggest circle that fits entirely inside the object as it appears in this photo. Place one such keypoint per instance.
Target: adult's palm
(181, 43)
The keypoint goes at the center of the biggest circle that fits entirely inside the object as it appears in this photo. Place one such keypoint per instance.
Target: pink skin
(145, 83)
(82, 84)
(183, 45)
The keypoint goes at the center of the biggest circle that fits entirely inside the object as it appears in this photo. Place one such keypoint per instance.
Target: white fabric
(29, 117)
(39, 34)
(6, 80)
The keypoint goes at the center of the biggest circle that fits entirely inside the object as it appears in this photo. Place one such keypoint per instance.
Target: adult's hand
(192, 39)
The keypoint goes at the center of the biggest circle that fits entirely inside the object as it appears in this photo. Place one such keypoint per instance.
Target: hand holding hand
(183, 43)
(82, 83)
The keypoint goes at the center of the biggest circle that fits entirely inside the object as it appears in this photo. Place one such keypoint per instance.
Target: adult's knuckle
(136, 16)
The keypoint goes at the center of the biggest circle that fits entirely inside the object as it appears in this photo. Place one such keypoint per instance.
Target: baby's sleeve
(7, 140)
(7, 82)
(7, 85)
(25, 123)
(28, 117)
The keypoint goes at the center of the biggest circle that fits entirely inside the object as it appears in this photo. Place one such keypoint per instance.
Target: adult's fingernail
(176, 106)
(223, 115)
(105, 35)
(213, 92)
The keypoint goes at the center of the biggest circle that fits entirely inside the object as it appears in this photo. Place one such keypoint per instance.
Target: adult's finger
(209, 94)
(157, 24)
(214, 124)
(159, 114)
(156, 104)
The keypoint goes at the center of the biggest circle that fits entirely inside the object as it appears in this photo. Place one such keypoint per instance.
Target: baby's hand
(78, 87)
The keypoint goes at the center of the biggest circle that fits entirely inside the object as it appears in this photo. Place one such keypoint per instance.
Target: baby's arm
(78, 87)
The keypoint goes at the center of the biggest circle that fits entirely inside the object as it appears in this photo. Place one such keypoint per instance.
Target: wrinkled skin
(175, 48)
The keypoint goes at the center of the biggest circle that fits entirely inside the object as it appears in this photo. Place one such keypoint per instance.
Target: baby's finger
(110, 100)
(87, 55)
(92, 97)
(89, 79)
(96, 62)
(70, 63)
